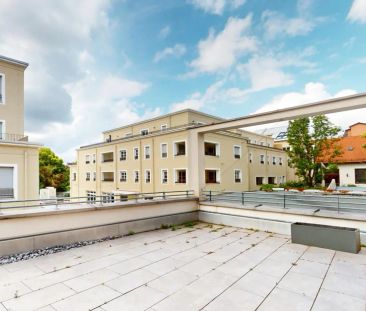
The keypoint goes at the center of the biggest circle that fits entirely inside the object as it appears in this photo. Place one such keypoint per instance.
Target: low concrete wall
(274, 219)
(38, 230)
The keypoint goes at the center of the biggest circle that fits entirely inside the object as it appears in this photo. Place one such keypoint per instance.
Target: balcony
(8, 137)
(108, 177)
(211, 149)
(107, 157)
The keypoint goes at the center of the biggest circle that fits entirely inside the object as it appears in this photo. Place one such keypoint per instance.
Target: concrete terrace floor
(206, 267)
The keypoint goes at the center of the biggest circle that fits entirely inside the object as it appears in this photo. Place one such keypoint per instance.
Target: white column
(196, 164)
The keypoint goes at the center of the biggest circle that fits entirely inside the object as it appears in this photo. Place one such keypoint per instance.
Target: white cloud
(313, 92)
(214, 94)
(217, 7)
(69, 100)
(265, 72)
(357, 12)
(175, 51)
(164, 32)
(221, 51)
(277, 24)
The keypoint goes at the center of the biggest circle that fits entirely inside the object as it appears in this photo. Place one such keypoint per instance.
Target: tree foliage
(52, 171)
(364, 136)
(312, 140)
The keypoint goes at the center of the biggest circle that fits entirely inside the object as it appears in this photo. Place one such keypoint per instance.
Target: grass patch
(131, 233)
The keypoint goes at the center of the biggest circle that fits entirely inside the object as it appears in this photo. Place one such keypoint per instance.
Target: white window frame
(134, 153)
(240, 176)
(162, 176)
(73, 176)
(94, 158)
(87, 159)
(143, 130)
(262, 156)
(274, 160)
(15, 180)
(175, 175)
(174, 148)
(280, 161)
(217, 147)
(250, 157)
(237, 146)
(136, 173)
(87, 176)
(145, 177)
(161, 151)
(163, 127)
(3, 88)
(120, 176)
(149, 153)
(94, 176)
(120, 154)
(218, 173)
(3, 132)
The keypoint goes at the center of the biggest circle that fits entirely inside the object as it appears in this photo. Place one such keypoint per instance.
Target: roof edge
(13, 61)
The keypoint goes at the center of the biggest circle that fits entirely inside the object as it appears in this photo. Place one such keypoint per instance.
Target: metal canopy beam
(322, 107)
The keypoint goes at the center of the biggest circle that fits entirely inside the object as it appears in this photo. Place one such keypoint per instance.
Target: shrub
(267, 187)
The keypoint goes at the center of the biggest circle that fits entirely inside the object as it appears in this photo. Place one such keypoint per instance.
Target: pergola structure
(196, 141)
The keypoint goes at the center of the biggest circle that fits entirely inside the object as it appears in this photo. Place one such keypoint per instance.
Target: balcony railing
(13, 137)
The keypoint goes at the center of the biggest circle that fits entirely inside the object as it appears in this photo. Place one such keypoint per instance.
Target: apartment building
(153, 156)
(19, 168)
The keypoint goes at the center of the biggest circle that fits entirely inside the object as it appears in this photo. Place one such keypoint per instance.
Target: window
(87, 176)
(136, 176)
(147, 152)
(274, 162)
(262, 158)
(73, 176)
(144, 132)
(94, 176)
(212, 176)
(280, 161)
(250, 158)
(147, 176)
(212, 149)
(180, 176)
(360, 175)
(237, 152)
(122, 176)
(7, 182)
(262, 143)
(108, 176)
(123, 155)
(136, 153)
(259, 181)
(180, 148)
(107, 157)
(91, 196)
(2, 129)
(2, 88)
(164, 176)
(237, 176)
(94, 158)
(163, 127)
(281, 179)
(272, 180)
(87, 159)
(164, 150)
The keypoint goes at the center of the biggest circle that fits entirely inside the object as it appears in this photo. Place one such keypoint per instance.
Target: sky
(100, 64)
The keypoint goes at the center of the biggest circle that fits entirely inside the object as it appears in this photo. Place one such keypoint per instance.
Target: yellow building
(19, 168)
(153, 156)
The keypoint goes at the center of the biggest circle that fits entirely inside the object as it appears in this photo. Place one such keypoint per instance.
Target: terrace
(189, 267)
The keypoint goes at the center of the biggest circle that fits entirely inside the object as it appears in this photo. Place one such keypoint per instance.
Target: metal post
(164, 196)
(210, 196)
(187, 193)
(284, 199)
(242, 198)
(338, 202)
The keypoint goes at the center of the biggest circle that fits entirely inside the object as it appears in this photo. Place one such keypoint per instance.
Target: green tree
(312, 140)
(52, 171)
(364, 136)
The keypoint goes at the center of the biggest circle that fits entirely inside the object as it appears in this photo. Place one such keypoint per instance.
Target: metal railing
(13, 137)
(93, 200)
(316, 202)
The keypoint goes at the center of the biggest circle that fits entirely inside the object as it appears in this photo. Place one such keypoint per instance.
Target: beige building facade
(19, 168)
(154, 156)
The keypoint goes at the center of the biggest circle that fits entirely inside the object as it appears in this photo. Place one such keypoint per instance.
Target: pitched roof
(13, 61)
(353, 151)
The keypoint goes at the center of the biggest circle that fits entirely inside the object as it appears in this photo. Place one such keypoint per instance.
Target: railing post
(187, 193)
(210, 196)
(338, 203)
(242, 198)
(164, 197)
(284, 199)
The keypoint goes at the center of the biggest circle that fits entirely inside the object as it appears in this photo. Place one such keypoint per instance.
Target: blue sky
(99, 64)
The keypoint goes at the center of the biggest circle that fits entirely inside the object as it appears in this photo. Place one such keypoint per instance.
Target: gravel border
(51, 250)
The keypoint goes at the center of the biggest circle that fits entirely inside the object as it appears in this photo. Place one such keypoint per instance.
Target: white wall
(347, 173)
